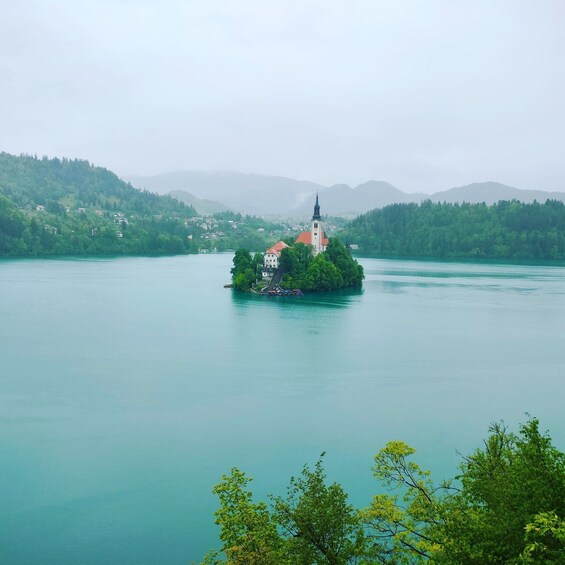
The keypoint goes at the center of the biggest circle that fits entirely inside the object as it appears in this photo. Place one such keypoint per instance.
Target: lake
(129, 385)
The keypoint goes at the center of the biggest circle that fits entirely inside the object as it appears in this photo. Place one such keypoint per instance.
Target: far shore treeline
(70, 207)
(505, 231)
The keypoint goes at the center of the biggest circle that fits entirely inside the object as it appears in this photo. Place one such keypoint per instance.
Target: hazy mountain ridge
(286, 197)
(246, 193)
(203, 206)
(343, 200)
(493, 192)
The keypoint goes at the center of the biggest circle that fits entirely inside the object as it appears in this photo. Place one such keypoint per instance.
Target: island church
(314, 237)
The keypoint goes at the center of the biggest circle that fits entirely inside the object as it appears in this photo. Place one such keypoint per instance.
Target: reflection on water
(399, 277)
(337, 299)
(400, 285)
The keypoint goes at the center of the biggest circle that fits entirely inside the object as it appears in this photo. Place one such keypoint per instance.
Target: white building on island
(272, 255)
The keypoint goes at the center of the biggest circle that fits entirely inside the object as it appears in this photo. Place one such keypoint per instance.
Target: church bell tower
(316, 230)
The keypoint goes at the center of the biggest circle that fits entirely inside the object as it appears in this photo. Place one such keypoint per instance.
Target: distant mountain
(270, 195)
(342, 200)
(203, 206)
(383, 191)
(248, 193)
(284, 197)
(493, 192)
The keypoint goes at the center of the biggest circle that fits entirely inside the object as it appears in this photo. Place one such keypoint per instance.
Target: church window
(315, 224)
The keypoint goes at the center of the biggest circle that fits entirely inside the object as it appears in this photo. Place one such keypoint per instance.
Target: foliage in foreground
(506, 506)
(312, 524)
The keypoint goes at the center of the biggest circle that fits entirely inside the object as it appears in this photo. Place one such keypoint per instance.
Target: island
(312, 262)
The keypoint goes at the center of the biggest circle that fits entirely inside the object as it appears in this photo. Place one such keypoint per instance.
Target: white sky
(423, 94)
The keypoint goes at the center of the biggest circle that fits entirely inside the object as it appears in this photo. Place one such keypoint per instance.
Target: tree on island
(332, 269)
(246, 269)
(507, 505)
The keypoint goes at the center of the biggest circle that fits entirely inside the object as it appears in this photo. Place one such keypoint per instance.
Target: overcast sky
(426, 95)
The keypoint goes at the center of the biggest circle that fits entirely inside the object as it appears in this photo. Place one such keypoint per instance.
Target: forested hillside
(64, 207)
(507, 230)
(70, 207)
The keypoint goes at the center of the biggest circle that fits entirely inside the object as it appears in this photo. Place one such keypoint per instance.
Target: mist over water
(128, 386)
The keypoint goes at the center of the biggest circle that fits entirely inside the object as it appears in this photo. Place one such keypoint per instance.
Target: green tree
(545, 540)
(503, 487)
(313, 524)
(401, 527)
(244, 270)
(506, 483)
(330, 270)
(318, 523)
(247, 531)
(295, 261)
(339, 255)
(506, 506)
(241, 261)
(258, 263)
(322, 274)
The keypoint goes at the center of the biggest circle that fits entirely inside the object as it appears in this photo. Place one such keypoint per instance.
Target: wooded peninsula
(507, 230)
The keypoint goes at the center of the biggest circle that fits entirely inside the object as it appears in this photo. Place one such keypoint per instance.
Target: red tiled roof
(277, 248)
(306, 238)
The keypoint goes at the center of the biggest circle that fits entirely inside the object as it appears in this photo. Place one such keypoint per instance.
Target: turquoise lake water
(128, 386)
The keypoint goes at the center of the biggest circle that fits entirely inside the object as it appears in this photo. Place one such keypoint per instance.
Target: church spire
(316, 215)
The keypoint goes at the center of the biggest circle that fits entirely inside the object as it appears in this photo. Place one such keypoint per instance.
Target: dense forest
(507, 505)
(331, 270)
(70, 207)
(507, 230)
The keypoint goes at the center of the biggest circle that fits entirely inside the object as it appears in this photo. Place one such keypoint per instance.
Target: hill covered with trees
(70, 207)
(507, 230)
(507, 505)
